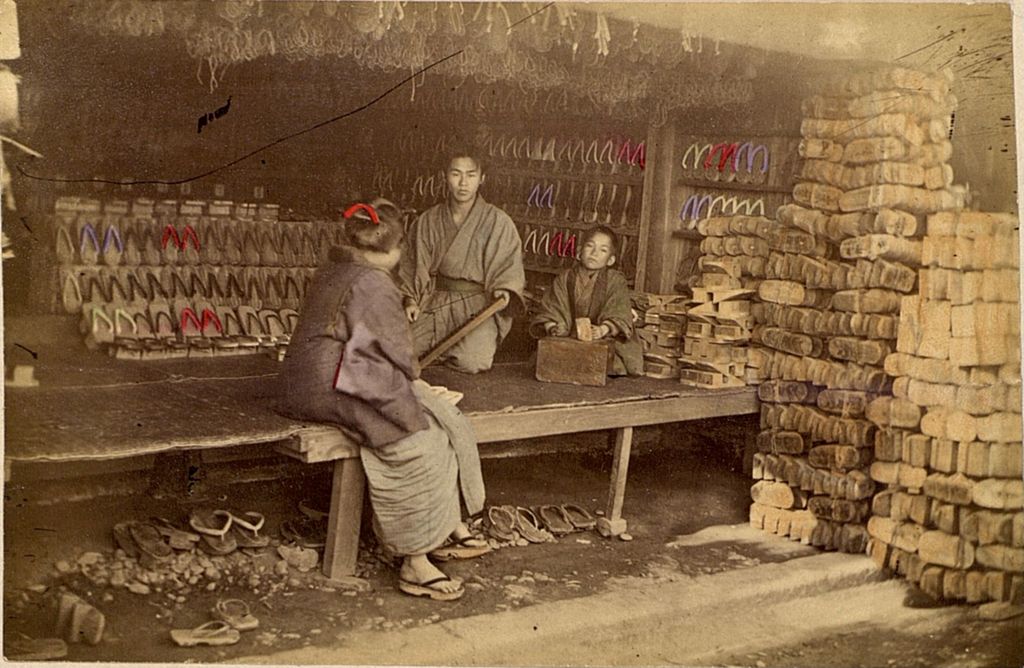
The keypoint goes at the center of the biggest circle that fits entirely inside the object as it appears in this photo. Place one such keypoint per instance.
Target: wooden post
(612, 524)
(655, 271)
(344, 521)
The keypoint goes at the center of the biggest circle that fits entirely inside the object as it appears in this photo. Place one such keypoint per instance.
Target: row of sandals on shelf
(115, 240)
(235, 285)
(573, 155)
(614, 205)
(186, 329)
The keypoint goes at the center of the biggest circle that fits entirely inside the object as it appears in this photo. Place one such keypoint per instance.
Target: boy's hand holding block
(584, 330)
(565, 360)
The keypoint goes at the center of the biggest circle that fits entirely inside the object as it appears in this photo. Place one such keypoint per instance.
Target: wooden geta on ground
(565, 360)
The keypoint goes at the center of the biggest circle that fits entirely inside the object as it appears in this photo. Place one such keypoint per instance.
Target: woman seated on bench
(350, 362)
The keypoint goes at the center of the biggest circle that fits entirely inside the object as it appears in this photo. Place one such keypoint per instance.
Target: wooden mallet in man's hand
(461, 332)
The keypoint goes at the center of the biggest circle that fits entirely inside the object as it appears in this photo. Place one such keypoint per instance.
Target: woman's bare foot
(416, 568)
(463, 536)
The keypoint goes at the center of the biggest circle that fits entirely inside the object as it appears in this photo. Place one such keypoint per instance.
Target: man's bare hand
(412, 311)
(504, 295)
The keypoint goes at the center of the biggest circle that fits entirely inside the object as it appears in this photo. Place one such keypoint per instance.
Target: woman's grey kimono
(350, 362)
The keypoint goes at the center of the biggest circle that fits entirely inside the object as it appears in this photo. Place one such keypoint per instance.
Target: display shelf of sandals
(556, 187)
(155, 279)
(875, 162)
(553, 187)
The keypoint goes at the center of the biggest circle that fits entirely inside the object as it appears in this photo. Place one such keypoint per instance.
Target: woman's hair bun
(381, 236)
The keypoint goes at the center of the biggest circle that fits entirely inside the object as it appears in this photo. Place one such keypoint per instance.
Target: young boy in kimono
(592, 289)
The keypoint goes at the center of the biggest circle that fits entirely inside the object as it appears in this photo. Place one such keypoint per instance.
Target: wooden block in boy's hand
(565, 360)
(583, 332)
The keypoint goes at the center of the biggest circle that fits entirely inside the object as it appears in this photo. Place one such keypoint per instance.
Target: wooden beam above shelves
(732, 185)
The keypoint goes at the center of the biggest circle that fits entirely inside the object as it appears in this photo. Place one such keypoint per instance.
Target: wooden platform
(89, 407)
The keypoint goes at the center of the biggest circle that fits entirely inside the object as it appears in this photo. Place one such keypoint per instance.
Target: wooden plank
(551, 421)
(344, 521)
(320, 444)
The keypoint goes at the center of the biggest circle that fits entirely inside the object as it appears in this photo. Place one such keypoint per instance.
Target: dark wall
(128, 108)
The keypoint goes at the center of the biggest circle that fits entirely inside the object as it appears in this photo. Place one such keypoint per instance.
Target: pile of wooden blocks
(716, 350)
(840, 263)
(949, 441)
(660, 323)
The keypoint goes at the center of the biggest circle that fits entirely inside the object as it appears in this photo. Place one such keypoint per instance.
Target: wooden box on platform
(565, 360)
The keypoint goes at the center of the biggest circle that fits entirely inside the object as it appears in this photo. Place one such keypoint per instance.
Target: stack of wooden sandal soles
(720, 321)
(660, 330)
(841, 261)
(949, 443)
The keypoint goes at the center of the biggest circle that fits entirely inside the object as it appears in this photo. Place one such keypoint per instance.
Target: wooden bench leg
(344, 521)
(612, 524)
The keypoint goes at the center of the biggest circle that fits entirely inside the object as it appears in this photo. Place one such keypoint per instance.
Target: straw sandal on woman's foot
(461, 548)
(211, 633)
(427, 589)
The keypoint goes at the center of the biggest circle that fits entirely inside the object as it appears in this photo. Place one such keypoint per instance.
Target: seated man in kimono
(461, 255)
(592, 289)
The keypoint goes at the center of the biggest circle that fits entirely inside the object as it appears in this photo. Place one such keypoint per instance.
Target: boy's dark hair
(607, 231)
(465, 150)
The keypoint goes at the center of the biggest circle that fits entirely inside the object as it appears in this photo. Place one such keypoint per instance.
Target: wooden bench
(507, 403)
(91, 408)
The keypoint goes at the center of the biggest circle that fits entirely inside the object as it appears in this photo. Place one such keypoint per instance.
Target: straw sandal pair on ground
(155, 539)
(230, 617)
(224, 531)
(505, 523)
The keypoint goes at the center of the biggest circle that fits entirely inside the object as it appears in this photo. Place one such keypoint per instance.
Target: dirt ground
(672, 491)
(692, 480)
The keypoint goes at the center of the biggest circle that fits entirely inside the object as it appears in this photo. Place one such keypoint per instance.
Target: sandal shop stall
(811, 234)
